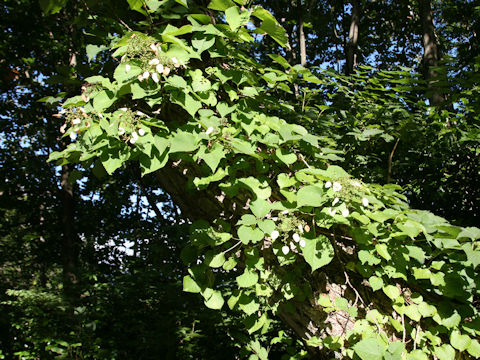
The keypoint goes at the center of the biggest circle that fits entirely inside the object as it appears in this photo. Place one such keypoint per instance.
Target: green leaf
(470, 233)
(286, 157)
(52, 6)
(214, 300)
(394, 351)
(153, 162)
(137, 6)
(445, 352)
(247, 279)
(214, 260)
(189, 285)
(183, 142)
(459, 341)
(220, 5)
(203, 42)
(93, 50)
(103, 100)
(213, 157)
(417, 355)
(370, 349)
(271, 26)
(391, 291)
(318, 252)
(474, 349)
(260, 208)
(247, 234)
(375, 282)
(310, 195)
(235, 18)
(382, 250)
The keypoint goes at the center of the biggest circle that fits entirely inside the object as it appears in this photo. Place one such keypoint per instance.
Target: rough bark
(431, 51)
(351, 50)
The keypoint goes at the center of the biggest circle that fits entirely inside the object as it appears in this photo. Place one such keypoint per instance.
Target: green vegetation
(212, 192)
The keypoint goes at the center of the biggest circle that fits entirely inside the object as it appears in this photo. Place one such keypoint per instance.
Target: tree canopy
(308, 170)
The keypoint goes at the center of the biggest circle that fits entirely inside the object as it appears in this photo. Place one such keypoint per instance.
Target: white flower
(345, 212)
(73, 135)
(153, 47)
(155, 77)
(100, 115)
(365, 202)
(62, 128)
(296, 237)
(285, 212)
(209, 130)
(331, 211)
(274, 235)
(141, 132)
(275, 218)
(174, 60)
(121, 130)
(160, 68)
(328, 184)
(83, 110)
(335, 201)
(139, 113)
(154, 62)
(146, 75)
(76, 121)
(166, 71)
(302, 243)
(127, 68)
(337, 186)
(134, 138)
(140, 77)
(300, 228)
(285, 250)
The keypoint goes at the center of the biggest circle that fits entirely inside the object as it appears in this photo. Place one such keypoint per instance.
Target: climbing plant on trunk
(347, 265)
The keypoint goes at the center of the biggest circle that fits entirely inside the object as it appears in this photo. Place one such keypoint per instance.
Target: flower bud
(302, 243)
(166, 71)
(209, 130)
(141, 132)
(154, 62)
(285, 250)
(296, 237)
(274, 235)
(155, 77)
(159, 68)
(365, 202)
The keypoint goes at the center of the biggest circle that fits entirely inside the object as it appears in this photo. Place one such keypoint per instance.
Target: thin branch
(390, 158)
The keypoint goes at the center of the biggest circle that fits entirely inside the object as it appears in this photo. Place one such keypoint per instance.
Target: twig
(390, 158)
(303, 159)
(404, 331)
(416, 337)
(233, 247)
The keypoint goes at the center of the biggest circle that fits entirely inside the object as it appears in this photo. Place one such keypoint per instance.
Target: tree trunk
(69, 245)
(431, 52)
(351, 50)
(301, 35)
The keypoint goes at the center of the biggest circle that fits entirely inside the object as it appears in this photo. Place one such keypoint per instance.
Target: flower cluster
(130, 126)
(75, 118)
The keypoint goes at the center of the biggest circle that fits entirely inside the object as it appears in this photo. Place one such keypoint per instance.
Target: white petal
(155, 77)
(337, 186)
(302, 243)
(153, 47)
(296, 237)
(73, 135)
(365, 202)
(300, 228)
(331, 211)
(328, 184)
(141, 132)
(285, 212)
(127, 68)
(135, 135)
(345, 212)
(76, 121)
(174, 59)
(133, 140)
(154, 62)
(209, 130)
(335, 201)
(121, 130)
(166, 71)
(160, 68)
(285, 250)
(275, 234)
(146, 75)
(123, 109)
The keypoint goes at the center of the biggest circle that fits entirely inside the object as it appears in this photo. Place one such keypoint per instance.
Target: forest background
(91, 265)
